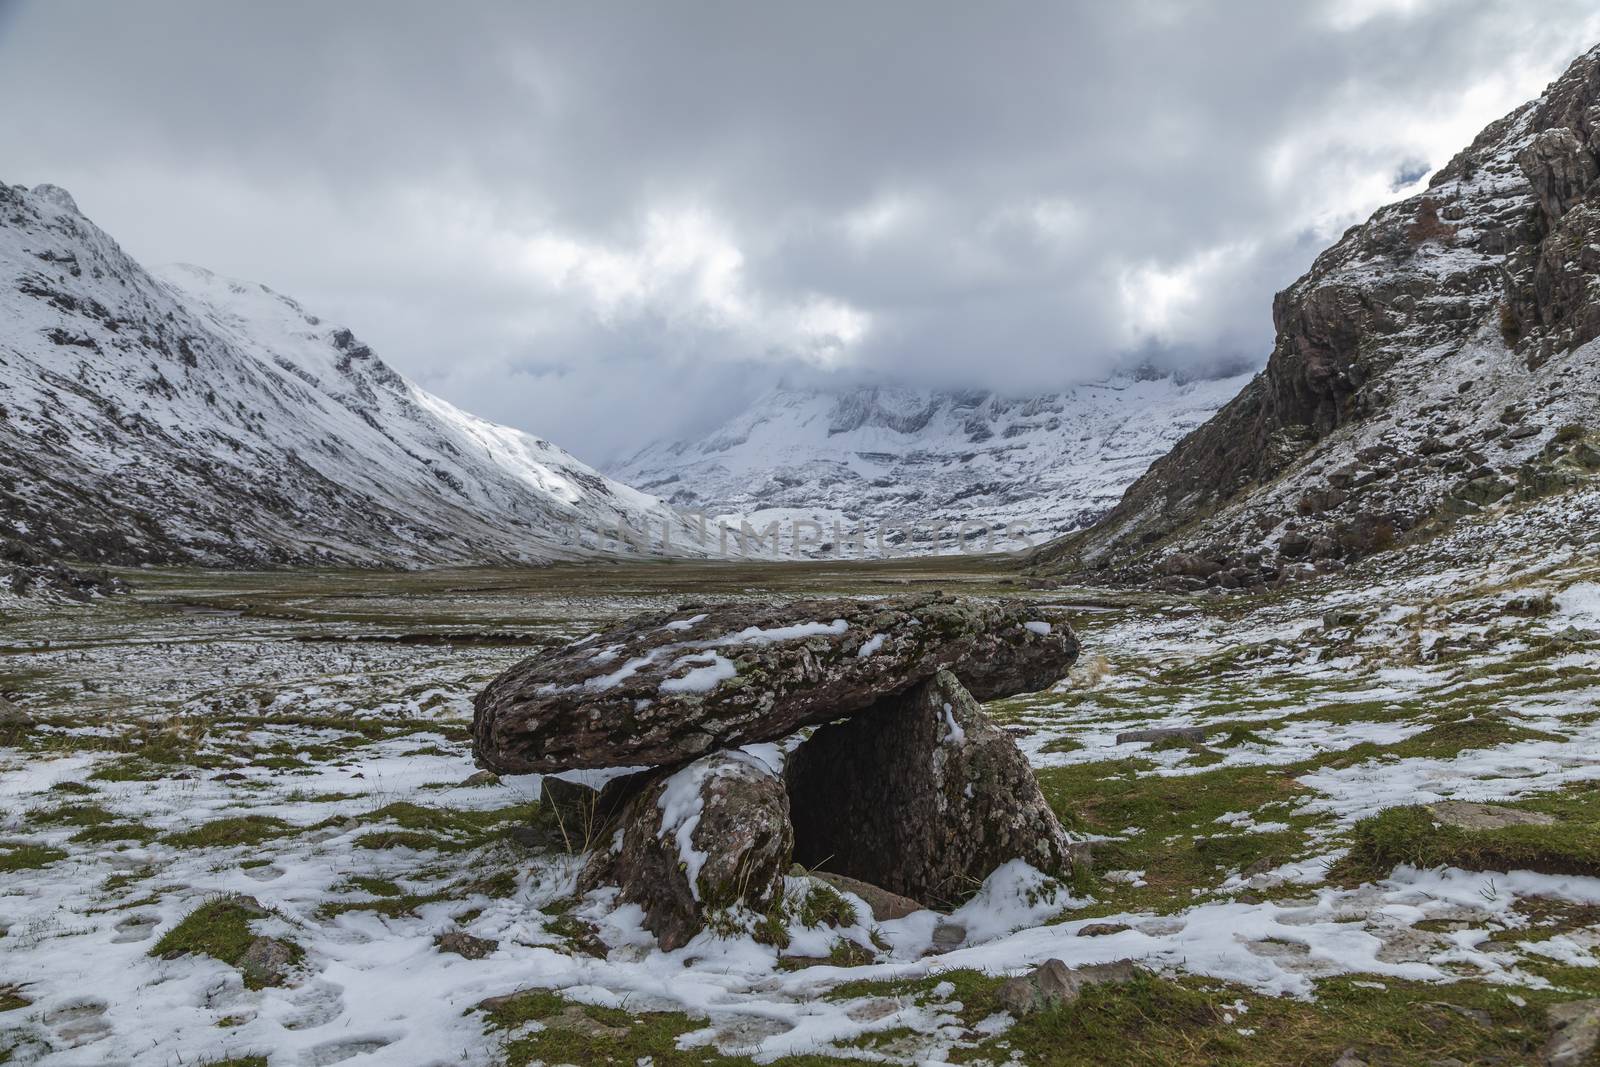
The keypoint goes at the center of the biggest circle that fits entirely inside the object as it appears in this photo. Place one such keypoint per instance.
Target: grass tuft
(1411, 835)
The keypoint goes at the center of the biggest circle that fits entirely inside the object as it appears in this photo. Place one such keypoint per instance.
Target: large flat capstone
(666, 688)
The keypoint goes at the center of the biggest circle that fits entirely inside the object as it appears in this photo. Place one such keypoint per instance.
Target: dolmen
(841, 734)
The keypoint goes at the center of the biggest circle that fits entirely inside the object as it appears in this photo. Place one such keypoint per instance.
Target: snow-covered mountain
(181, 416)
(872, 455)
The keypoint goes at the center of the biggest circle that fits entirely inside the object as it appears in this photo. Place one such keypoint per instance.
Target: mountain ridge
(1422, 369)
(874, 454)
(177, 416)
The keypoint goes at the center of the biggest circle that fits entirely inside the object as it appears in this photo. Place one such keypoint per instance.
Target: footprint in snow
(344, 1049)
(316, 1004)
(78, 1022)
(264, 874)
(135, 928)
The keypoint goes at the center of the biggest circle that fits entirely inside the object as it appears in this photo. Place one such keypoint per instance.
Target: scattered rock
(1294, 544)
(1192, 734)
(948, 936)
(574, 1019)
(1190, 564)
(1486, 489)
(464, 944)
(1460, 1011)
(661, 689)
(27, 571)
(1102, 929)
(1576, 1034)
(13, 717)
(883, 904)
(924, 797)
(1469, 815)
(266, 962)
(711, 836)
(1053, 984)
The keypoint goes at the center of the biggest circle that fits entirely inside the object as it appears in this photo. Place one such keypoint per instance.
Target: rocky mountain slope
(1439, 359)
(186, 417)
(875, 455)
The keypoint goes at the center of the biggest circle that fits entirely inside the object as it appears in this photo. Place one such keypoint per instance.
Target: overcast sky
(608, 222)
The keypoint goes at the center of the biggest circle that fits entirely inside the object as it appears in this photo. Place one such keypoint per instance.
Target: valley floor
(300, 740)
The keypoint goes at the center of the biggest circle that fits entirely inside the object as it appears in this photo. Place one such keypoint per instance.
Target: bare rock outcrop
(1392, 358)
(665, 688)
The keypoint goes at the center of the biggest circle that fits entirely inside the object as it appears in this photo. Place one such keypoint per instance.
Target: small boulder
(1190, 564)
(13, 717)
(1102, 929)
(1294, 544)
(1053, 984)
(266, 962)
(1575, 1035)
(1484, 489)
(1340, 618)
(883, 904)
(947, 936)
(712, 836)
(1191, 734)
(1469, 815)
(465, 945)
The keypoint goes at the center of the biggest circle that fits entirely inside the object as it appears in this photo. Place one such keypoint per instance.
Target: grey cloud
(606, 222)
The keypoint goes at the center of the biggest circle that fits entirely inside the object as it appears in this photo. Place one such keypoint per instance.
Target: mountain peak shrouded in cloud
(614, 226)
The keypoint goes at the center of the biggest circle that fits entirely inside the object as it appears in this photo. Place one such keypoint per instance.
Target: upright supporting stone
(923, 796)
(712, 836)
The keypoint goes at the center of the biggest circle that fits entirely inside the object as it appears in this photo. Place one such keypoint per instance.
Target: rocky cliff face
(1424, 366)
(190, 418)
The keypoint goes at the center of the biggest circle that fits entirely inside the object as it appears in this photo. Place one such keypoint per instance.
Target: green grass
(1157, 1022)
(230, 832)
(218, 928)
(393, 907)
(96, 824)
(378, 887)
(417, 842)
(394, 902)
(16, 856)
(581, 937)
(1461, 735)
(117, 831)
(221, 929)
(824, 906)
(1175, 837)
(1410, 835)
(596, 1036)
(1148, 1021)
(71, 815)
